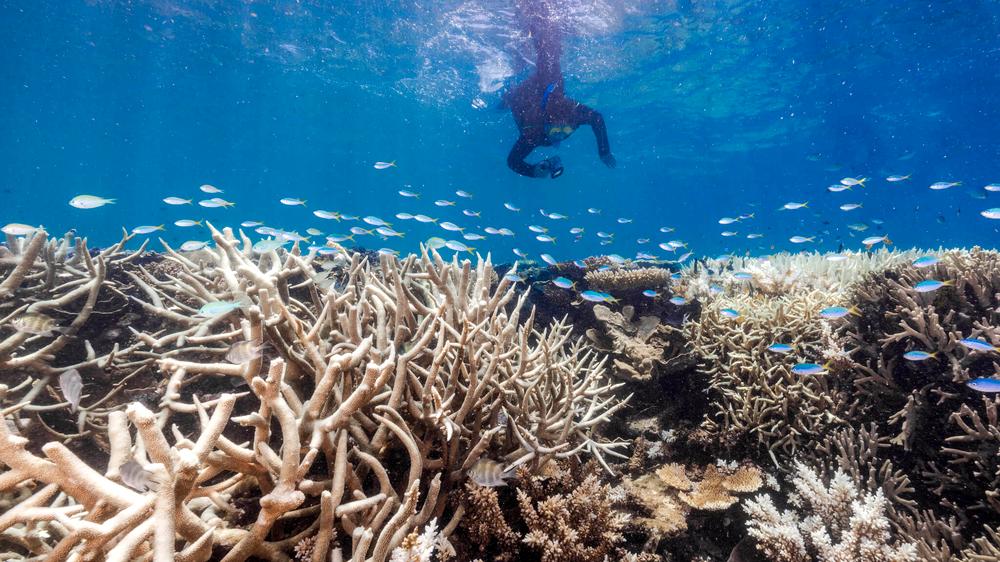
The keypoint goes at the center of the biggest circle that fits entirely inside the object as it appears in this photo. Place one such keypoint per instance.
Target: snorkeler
(542, 112)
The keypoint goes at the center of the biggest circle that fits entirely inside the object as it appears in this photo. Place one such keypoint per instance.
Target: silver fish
(244, 352)
(134, 476)
(71, 385)
(489, 473)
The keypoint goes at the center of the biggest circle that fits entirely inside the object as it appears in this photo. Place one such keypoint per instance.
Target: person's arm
(593, 118)
(550, 167)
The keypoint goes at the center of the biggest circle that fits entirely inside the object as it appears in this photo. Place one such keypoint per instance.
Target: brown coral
(618, 279)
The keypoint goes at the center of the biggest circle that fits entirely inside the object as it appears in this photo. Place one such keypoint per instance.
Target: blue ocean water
(714, 109)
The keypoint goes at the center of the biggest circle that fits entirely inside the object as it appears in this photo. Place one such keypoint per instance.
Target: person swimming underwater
(541, 110)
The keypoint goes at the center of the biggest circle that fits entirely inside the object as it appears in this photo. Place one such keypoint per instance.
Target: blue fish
(779, 347)
(742, 276)
(649, 293)
(809, 369)
(838, 312)
(976, 344)
(678, 300)
(984, 385)
(929, 285)
(563, 283)
(597, 296)
(729, 313)
(925, 261)
(917, 355)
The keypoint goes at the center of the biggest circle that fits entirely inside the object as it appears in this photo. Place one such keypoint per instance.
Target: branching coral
(832, 521)
(419, 360)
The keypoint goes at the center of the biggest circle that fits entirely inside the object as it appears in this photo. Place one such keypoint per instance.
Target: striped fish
(134, 476)
(244, 352)
(489, 473)
(36, 324)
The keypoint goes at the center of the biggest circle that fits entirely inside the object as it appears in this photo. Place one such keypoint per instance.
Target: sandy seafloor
(356, 406)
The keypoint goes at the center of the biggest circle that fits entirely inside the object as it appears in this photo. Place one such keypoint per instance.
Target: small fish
(217, 308)
(537, 229)
(134, 476)
(244, 352)
(509, 232)
(754, 236)
(549, 259)
(984, 385)
(872, 240)
(267, 231)
(435, 243)
(510, 207)
(292, 201)
(451, 226)
(176, 201)
(563, 283)
(576, 230)
(597, 296)
(667, 229)
(715, 290)
(375, 221)
(684, 257)
(360, 231)
(993, 213)
(557, 216)
(215, 202)
(18, 229)
(917, 355)
(489, 474)
(89, 201)
(473, 236)
(791, 206)
(729, 313)
(638, 241)
(314, 232)
(897, 178)
(469, 213)
(838, 188)
(992, 187)
(210, 189)
(727, 220)
(338, 238)
(423, 218)
(938, 186)
(349, 218)
(780, 348)
(404, 216)
(388, 232)
(193, 246)
(328, 215)
(650, 293)
(678, 300)
(265, 246)
(644, 256)
(383, 165)
(624, 221)
(929, 285)
(801, 239)
(444, 203)
(850, 206)
(36, 324)
(976, 344)
(836, 257)
(465, 194)
(729, 233)
(406, 193)
(520, 253)
(146, 229)
(186, 223)
(545, 238)
(491, 230)
(853, 181)
(71, 385)
(835, 312)
(250, 224)
(458, 246)
(594, 211)
(858, 227)
(513, 278)
(809, 369)
(742, 276)
(605, 235)
(925, 261)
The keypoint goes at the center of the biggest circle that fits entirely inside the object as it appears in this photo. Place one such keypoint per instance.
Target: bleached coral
(622, 279)
(412, 361)
(831, 521)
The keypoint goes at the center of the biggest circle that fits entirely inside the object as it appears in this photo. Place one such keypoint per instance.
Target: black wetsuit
(542, 112)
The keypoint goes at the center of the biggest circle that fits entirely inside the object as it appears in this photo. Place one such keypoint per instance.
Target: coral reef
(620, 279)
(831, 521)
(384, 383)
(640, 347)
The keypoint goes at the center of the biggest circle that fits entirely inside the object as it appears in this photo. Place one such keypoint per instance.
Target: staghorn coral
(381, 390)
(831, 521)
(754, 393)
(622, 279)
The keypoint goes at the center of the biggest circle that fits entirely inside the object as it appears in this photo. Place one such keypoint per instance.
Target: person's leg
(547, 38)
